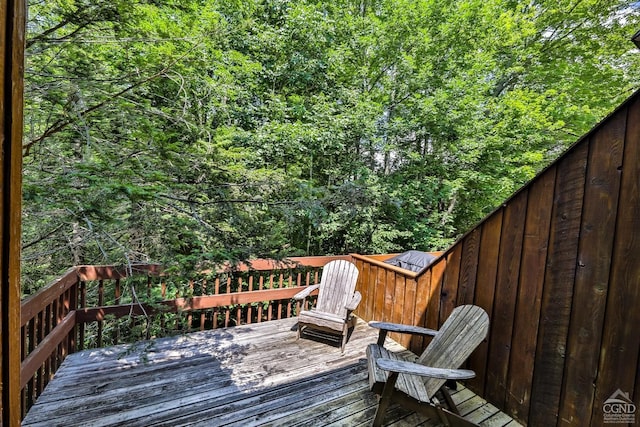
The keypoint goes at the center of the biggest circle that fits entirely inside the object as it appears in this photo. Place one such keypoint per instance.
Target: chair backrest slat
(337, 286)
(460, 334)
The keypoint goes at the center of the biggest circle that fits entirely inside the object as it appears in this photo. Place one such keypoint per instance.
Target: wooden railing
(47, 324)
(95, 306)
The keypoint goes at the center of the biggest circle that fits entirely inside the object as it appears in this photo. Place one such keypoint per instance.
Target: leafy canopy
(194, 131)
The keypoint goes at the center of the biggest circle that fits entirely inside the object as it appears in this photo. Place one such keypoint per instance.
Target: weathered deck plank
(250, 375)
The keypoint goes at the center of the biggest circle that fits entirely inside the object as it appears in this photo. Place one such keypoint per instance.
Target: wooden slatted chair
(337, 298)
(414, 383)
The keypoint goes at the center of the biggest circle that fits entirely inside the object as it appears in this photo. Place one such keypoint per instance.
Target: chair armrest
(403, 329)
(305, 292)
(353, 304)
(412, 368)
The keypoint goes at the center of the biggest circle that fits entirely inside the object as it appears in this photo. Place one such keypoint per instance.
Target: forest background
(191, 132)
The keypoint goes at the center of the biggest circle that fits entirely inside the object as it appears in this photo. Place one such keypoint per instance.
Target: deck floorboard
(251, 375)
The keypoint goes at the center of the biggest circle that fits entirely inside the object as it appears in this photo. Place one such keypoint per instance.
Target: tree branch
(220, 201)
(62, 124)
(41, 238)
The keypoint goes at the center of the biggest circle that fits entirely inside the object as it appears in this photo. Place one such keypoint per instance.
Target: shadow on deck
(248, 375)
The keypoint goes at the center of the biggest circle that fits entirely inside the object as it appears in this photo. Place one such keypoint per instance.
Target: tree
(194, 131)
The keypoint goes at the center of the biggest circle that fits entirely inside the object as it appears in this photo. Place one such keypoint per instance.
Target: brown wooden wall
(557, 268)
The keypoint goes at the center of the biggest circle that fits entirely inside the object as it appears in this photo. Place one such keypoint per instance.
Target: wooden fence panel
(410, 296)
(389, 286)
(449, 293)
(485, 291)
(558, 288)
(398, 306)
(367, 273)
(593, 269)
(423, 295)
(505, 298)
(433, 305)
(379, 293)
(419, 287)
(527, 315)
(621, 340)
(468, 268)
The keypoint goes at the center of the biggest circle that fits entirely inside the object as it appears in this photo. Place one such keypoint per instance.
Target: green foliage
(191, 132)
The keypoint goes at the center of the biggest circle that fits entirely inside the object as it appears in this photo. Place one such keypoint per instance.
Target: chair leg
(383, 404)
(345, 334)
(447, 397)
(385, 399)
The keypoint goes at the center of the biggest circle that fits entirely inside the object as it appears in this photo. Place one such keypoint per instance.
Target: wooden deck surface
(248, 375)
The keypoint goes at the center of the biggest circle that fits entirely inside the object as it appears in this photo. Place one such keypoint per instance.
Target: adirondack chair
(337, 298)
(414, 383)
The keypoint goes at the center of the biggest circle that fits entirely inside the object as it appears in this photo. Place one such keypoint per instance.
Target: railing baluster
(47, 329)
(227, 311)
(215, 311)
(289, 300)
(163, 294)
(269, 309)
(260, 303)
(239, 308)
(249, 308)
(54, 321)
(189, 314)
(31, 389)
(24, 351)
(203, 291)
(100, 304)
(39, 330)
(280, 283)
(64, 309)
(117, 295)
(73, 305)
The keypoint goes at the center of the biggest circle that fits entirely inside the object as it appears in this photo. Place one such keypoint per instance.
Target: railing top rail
(378, 260)
(34, 304)
(262, 264)
(113, 272)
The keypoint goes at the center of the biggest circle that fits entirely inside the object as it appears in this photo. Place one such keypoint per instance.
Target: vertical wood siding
(557, 268)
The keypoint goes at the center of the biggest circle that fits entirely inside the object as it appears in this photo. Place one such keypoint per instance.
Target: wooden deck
(248, 375)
